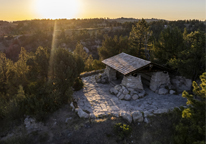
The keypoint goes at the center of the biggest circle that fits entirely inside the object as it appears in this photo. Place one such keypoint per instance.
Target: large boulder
(132, 82)
(172, 92)
(32, 125)
(142, 93)
(72, 106)
(127, 97)
(126, 116)
(82, 114)
(133, 92)
(117, 87)
(125, 91)
(137, 116)
(102, 78)
(121, 96)
(113, 91)
(135, 97)
(118, 95)
(162, 91)
(181, 83)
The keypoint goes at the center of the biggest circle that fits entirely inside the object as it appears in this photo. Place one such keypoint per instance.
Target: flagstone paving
(96, 99)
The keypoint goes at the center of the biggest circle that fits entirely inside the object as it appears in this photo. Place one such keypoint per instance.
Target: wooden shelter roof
(125, 63)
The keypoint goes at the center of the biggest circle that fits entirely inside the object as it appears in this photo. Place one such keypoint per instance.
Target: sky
(11, 10)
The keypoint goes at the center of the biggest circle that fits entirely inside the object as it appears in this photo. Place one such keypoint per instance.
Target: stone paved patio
(96, 99)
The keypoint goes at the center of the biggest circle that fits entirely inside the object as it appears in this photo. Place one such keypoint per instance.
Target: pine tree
(139, 39)
(89, 63)
(113, 46)
(20, 95)
(80, 51)
(170, 44)
(190, 61)
(191, 129)
(67, 67)
(6, 73)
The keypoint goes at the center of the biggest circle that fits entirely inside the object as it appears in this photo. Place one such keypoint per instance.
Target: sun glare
(56, 9)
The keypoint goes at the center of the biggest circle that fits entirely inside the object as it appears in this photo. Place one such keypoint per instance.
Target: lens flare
(56, 9)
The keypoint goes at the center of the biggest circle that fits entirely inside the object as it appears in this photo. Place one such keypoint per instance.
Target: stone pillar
(111, 73)
(132, 82)
(158, 79)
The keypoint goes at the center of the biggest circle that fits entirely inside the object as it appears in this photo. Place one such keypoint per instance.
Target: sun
(55, 9)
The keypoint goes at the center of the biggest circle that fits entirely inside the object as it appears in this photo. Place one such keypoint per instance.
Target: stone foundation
(111, 73)
(158, 79)
(124, 93)
(132, 82)
(160, 83)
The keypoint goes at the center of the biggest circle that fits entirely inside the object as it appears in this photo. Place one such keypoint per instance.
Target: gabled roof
(125, 63)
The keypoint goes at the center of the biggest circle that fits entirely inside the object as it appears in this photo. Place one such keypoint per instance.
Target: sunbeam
(53, 47)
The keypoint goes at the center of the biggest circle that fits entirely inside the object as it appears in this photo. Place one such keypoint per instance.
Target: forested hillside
(41, 62)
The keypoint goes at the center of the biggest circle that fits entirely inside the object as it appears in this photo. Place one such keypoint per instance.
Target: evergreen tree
(190, 62)
(20, 95)
(139, 39)
(6, 73)
(113, 46)
(38, 73)
(21, 69)
(66, 68)
(80, 51)
(170, 44)
(89, 64)
(191, 129)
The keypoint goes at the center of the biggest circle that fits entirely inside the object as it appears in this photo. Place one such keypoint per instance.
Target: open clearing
(96, 99)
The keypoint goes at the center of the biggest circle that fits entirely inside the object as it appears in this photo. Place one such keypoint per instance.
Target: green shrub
(97, 64)
(25, 139)
(3, 105)
(122, 130)
(44, 101)
(11, 108)
(78, 84)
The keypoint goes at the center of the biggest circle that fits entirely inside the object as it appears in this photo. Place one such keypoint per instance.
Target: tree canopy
(191, 128)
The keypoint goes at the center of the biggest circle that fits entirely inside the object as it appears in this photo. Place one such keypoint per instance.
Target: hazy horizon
(13, 10)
